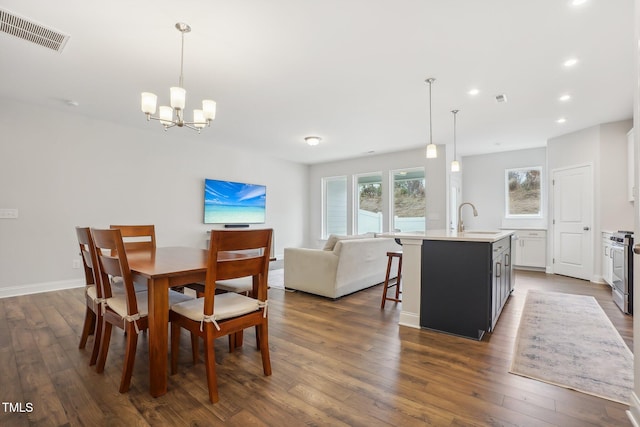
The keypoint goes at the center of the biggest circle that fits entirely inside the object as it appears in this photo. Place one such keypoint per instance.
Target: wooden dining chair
(93, 294)
(136, 238)
(128, 311)
(217, 315)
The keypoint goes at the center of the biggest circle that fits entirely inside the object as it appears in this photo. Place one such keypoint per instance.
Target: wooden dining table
(163, 268)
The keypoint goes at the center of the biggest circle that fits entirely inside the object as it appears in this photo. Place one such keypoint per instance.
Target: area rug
(276, 278)
(568, 340)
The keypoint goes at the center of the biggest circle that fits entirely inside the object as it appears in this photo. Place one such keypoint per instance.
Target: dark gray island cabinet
(465, 283)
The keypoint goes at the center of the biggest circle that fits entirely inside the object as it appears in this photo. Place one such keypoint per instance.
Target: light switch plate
(8, 213)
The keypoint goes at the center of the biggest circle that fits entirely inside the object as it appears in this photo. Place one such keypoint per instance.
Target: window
(369, 189)
(523, 192)
(334, 205)
(409, 202)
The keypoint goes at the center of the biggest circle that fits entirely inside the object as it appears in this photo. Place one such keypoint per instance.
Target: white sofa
(345, 265)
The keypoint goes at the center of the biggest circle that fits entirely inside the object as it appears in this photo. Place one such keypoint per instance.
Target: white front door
(572, 222)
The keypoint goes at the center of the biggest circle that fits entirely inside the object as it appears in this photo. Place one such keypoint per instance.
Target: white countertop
(466, 236)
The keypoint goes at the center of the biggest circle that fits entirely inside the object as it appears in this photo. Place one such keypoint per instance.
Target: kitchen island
(454, 282)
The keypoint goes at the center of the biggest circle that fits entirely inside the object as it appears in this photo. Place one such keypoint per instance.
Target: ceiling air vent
(30, 31)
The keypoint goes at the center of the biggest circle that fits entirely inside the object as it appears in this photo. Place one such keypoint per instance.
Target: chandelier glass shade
(432, 150)
(170, 116)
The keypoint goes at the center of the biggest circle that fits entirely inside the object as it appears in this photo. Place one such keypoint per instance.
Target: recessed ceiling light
(578, 2)
(473, 92)
(561, 120)
(312, 140)
(565, 98)
(72, 103)
(570, 62)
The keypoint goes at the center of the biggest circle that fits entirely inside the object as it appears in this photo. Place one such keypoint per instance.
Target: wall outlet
(8, 213)
(75, 263)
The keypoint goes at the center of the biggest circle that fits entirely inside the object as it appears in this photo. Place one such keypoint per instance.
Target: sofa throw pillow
(331, 243)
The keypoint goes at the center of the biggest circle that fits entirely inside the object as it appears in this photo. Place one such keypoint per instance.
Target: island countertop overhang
(489, 236)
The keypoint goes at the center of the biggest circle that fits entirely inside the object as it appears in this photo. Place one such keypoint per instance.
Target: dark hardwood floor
(335, 363)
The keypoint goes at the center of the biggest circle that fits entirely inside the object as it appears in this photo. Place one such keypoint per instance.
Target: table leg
(158, 336)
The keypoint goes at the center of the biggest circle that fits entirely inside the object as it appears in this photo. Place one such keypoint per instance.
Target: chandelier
(432, 151)
(201, 117)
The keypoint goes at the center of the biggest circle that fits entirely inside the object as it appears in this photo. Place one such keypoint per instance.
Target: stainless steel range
(622, 251)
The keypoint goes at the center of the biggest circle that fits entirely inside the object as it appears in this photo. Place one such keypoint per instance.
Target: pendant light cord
(181, 83)
(430, 118)
(455, 113)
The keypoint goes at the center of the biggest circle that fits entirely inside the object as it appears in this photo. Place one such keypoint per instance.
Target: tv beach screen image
(227, 202)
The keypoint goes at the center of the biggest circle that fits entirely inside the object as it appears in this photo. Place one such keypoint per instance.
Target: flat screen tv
(227, 202)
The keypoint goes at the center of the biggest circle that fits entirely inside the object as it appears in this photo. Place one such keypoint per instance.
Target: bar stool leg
(391, 256)
(386, 282)
(399, 277)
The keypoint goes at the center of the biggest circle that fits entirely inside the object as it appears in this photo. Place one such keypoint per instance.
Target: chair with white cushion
(217, 315)
(128, 311)
(93, 294)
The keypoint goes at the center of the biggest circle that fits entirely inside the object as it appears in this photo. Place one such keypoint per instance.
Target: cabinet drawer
(532, 233)
(501, 245)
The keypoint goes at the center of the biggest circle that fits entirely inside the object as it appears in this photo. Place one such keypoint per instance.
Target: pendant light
(432, 151)
(455, 165)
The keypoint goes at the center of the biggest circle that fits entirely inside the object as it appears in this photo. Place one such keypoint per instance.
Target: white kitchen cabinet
(607, 258)
(630, 166)
(530, 249)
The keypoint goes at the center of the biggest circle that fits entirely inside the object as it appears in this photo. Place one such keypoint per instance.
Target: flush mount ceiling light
(570, 62)
(312, 140)
(473, 92)
(561, 120)
(201, 118)
(455, 165)
(432, 151)
(564, 98)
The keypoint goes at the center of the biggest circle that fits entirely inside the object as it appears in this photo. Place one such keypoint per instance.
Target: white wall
(435, 178)
(64, 170)
(483, 184)
(604, 147)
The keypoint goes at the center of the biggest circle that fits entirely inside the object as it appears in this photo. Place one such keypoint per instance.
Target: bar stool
(391, 255)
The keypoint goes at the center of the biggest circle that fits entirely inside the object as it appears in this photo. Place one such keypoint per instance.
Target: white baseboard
(411, 320)
(521, 267)
(634, 410)
(36, 288)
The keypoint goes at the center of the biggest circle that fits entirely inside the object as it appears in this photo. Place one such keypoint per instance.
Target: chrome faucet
(460, 223)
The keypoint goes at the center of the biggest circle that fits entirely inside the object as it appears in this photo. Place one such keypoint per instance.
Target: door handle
(636, 249)
(586, 228)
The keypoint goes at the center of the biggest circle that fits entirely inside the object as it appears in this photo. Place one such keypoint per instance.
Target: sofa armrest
(310, 270)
